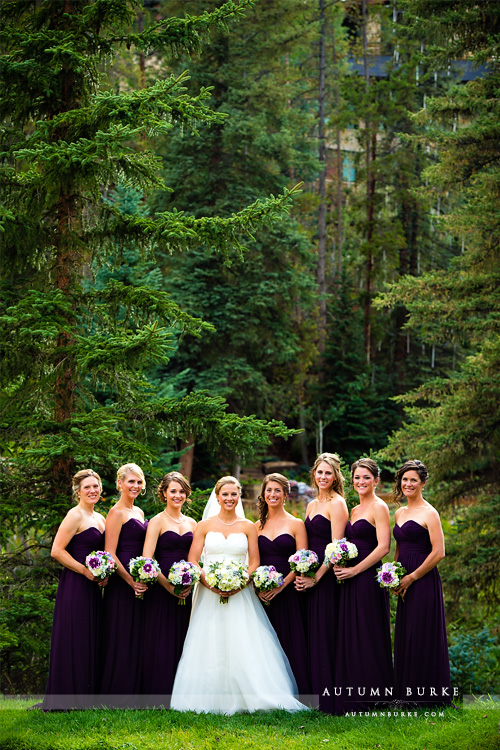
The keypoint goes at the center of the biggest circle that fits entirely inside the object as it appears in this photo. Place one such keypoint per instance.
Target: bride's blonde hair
(226, 480)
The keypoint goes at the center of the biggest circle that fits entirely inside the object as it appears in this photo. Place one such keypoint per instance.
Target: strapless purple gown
(123, 625)
(166, 623)
(76, 631)
(286, 611)
(322, 603)
(364, 655)
(421, 664)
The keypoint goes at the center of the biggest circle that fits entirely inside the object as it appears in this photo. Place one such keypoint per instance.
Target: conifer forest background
(245, 232)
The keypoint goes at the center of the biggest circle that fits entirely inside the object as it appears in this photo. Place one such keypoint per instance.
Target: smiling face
(411, 484)
(274, 494)
(363, 481)
(131, 485)
(228, 496)
(90, 490)
(324, 476)
(175, 495)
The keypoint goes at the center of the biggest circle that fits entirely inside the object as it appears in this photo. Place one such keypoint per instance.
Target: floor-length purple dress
(286, 611)
(364, 655)
(166, 623)
(124, 625)
(76, 630)
(322, 615)
(421, 664)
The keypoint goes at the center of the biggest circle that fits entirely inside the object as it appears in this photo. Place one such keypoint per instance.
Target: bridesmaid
(364, 655)
(421, 664)
(76, 630)
(168, 540)
(279, 536)
(124, 614)
(326, 519)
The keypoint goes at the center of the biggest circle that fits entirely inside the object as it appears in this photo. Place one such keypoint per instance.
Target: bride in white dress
(232, 660)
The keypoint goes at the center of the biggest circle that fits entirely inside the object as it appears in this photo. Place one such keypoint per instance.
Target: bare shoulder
(295, 522)
(311, 507)
(249, 527)
(115, 517)
(380, 510)
(337, 503)
(155, 521)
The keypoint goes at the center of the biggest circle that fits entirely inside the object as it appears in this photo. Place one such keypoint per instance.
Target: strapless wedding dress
(232, 660)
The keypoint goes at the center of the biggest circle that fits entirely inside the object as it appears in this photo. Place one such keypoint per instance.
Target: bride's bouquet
(304, 562)
(144, 570)
(100, 564)
(183, 574)
(340, 551)
(227, 575)
(266, 578)
(390, 574)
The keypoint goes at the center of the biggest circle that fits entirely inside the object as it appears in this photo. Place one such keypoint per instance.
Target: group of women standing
(313, 638)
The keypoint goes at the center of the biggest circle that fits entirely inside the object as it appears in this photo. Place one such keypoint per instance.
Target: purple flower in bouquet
(144, 570)
(183, 574)
(390, 574)
(304, 562)
(100, 564)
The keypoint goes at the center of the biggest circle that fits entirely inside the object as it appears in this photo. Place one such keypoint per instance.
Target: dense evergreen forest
(241, 232)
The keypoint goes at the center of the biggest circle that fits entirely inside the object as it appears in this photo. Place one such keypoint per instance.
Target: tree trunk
(321, 267)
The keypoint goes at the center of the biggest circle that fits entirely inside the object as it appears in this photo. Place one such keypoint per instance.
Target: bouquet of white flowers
(144, 570)
(227, 575)
(266, 578)
(183, 574)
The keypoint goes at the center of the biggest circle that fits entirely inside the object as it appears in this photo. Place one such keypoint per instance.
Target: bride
(232, 660)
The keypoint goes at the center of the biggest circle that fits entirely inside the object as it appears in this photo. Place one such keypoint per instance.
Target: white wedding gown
(232, 660)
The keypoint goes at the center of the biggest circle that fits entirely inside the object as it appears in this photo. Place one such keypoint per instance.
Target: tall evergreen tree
(73, 386)
(454, 422)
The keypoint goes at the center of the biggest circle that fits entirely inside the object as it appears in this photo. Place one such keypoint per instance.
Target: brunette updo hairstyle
(226, 480)
(334, 462)
(80, 476)
(173, 476)
(366, 463)
(412, 465)
(262, 505)
(127, 469)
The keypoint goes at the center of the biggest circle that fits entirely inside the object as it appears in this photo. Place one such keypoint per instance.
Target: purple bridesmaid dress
(165, 624)
(421, 664)
(286, 611)
(124, 625)
(322, 615)
(76, 630)
(363, 672)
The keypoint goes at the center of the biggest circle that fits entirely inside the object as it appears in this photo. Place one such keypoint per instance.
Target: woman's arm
(253, 548)
(383, 531)
(435, 555)
(64, 535)
(114, 523)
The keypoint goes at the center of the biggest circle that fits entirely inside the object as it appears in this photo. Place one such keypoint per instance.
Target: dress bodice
(131, 540)
(364, 535)
(277, 551)
(319, 533)
(172, 547)
(413, 539)
(82, 544)
(218, 547)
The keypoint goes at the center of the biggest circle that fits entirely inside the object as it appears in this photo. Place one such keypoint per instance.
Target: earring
(143, 491)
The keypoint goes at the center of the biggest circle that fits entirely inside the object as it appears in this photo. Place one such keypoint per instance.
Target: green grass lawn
(475, 727)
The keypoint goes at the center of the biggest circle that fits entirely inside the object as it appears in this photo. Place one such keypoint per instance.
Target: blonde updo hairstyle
(262, 505)
(173, 476)
(79, 477)
(225, 480)
(127, 469)
(411, 465)
(338, 480)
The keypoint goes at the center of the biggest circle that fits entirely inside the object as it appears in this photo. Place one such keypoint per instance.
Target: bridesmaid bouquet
(304, 562)
(266, 578)
(227, 575)
(389, 575)
(340, 551)
(183, 574)
(144, 570)
(100, 564)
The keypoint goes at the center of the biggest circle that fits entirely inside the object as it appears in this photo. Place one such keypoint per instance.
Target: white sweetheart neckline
(231, 533)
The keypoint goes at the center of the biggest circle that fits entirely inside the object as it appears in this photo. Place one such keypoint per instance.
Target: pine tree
(74, 392)
(454, 422)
